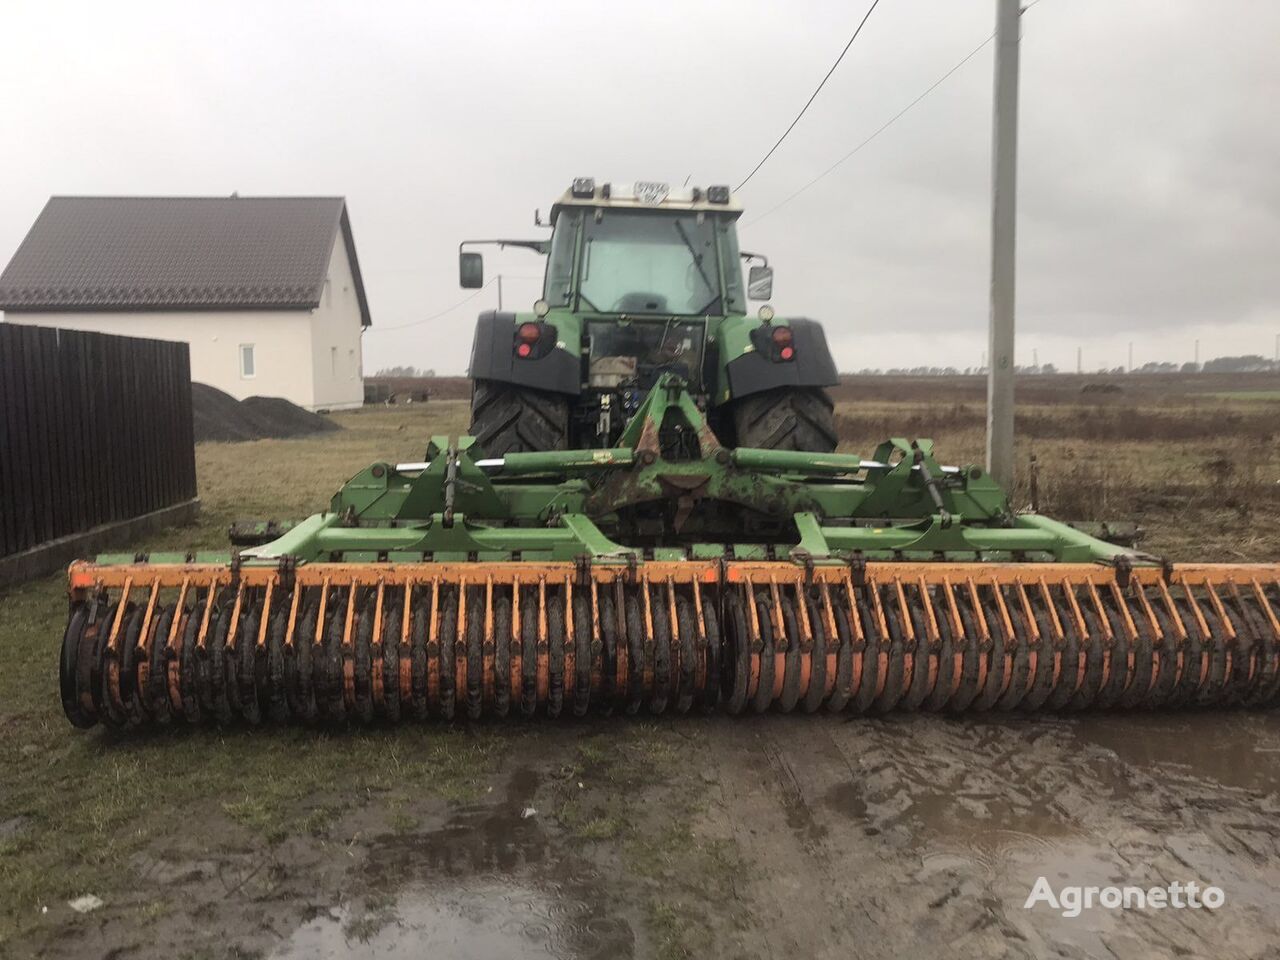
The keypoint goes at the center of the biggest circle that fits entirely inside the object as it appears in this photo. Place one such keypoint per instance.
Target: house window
(333, 362)
(248, 369)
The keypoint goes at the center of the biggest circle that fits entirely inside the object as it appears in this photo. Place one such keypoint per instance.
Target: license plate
(650, 192)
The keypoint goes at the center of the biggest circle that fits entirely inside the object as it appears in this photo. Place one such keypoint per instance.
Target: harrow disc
(385, 642)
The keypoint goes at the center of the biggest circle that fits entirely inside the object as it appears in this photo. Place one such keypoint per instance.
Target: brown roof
(176, 253)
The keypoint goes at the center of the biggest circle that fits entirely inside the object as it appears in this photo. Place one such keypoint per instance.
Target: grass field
(87, 812)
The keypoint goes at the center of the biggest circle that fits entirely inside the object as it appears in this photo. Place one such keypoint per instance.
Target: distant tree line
(404, 372)
(1251, 363)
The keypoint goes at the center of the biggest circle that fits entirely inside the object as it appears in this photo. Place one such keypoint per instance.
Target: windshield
(636, 262)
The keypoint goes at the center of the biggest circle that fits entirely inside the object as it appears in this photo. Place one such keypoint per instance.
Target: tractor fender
(747, 370)
(493, 355)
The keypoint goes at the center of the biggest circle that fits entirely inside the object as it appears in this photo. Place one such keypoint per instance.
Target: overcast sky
(1149, 176)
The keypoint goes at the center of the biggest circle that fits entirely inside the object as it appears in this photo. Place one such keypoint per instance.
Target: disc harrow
(154, 645)
(667, 574)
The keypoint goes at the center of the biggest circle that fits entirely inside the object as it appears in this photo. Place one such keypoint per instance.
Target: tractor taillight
(527, 335)
(781, 337)
(534, 340)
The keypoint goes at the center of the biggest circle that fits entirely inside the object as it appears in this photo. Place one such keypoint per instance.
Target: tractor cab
(642, 281)
(648, 270)
(644, 251)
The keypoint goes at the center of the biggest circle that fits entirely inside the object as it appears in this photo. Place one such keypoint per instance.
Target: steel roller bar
(345, 643)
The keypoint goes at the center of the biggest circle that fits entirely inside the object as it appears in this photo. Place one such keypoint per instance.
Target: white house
(267, 290)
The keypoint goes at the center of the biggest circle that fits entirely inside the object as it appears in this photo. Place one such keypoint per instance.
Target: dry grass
(1080, 420)
(1200, 471)
(289, 479)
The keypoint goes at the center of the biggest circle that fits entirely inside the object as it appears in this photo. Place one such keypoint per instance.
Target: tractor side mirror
(760, 283)
(471, 270)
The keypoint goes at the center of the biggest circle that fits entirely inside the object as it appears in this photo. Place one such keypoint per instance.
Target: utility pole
(1004, 197)
(1079, 359)
(1131, 356)
(499, 291)
(1197, 355)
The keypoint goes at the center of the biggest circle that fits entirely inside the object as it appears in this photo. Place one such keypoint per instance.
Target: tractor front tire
(788, 418)
(506, 418)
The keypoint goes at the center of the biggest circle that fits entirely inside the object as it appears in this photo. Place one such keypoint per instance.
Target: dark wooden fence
(94, 429)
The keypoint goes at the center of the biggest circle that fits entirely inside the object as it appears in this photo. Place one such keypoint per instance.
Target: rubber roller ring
(501, 656)
(609, 694)
(841, 691)
(302, 703)
(187, 656)
(555, 658)
(362, 660)
(67, 668)
(817, 692)
(635, 653)
(276, 697)
(736, 665)
(713, 653)
(791, 657)
(924, 662)
(686, 678)
(582, 655)
(764, 687)
(475, 655)
(446, 652)
(529, 658)
(329, 681)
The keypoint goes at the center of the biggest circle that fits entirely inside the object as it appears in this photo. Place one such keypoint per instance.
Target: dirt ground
(772, 836)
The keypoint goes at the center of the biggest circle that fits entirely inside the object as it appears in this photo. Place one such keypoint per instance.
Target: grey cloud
(1150, 198)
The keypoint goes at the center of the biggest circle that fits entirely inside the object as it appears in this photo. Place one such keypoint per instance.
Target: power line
(812, 96)
(890, 122)
(434, 316)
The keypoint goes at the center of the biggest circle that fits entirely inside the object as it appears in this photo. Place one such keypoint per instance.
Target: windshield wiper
(715, 302)
(697, 260)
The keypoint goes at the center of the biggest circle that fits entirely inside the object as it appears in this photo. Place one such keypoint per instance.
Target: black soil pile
(218, 416)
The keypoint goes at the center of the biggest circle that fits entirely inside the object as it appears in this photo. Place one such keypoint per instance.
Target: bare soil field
(770, 836)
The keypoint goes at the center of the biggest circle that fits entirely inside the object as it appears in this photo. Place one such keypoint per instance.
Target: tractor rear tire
(506, 418)
(788, 418)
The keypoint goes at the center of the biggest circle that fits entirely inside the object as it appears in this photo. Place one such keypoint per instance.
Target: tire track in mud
(874, 838)
(806, 882)
(908, 834)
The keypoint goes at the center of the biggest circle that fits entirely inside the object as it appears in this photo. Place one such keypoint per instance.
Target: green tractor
(648, 516)
(642, 280)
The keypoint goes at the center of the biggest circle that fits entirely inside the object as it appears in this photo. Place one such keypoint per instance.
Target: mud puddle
(489, 882)
(470, 920)
(990, 788)
(974, 788)
(1232, 749)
